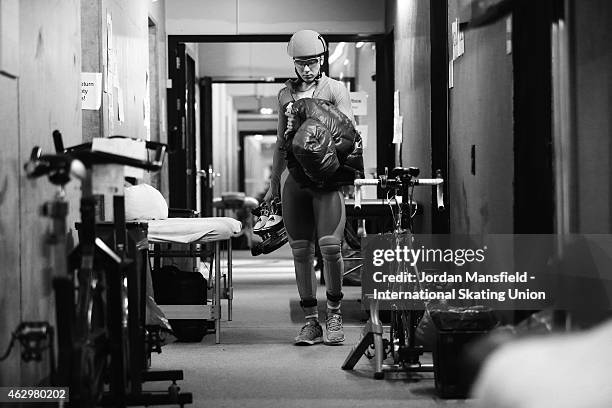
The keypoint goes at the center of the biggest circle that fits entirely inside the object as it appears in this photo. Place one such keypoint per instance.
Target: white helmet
(306, 44)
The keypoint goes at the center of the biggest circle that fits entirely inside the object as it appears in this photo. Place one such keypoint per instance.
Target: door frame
(190, 137)
(384, 91)
(181, 127)
(534, 207)
(440, 221)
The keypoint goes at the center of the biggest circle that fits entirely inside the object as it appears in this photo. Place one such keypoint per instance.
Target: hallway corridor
(257, 365)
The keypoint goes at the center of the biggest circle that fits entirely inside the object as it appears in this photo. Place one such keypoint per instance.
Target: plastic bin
(454, 374)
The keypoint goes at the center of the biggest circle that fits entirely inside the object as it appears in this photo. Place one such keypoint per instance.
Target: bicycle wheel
(396, 335)
(91, 342)
(91, 368)
(400, 324)
(410, 321)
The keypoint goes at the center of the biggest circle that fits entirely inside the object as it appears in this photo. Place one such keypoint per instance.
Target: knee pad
(331, 248)
(308, 302)
(302, 250)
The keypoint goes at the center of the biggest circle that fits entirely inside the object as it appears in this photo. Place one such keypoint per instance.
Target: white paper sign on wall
(91, 90)
(396, 103)
(359, 103)
(455, 38)
(398, 125)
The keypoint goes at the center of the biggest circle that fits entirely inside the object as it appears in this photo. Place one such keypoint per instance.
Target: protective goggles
(311, 62)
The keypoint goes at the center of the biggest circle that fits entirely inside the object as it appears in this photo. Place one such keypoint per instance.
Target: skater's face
(308, 69)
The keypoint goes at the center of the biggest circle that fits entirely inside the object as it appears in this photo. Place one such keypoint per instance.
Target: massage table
(198, 234)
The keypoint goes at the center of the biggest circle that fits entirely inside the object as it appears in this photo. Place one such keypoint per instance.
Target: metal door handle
(209, 174)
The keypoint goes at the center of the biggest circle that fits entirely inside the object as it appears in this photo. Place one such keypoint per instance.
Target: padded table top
(193, 230)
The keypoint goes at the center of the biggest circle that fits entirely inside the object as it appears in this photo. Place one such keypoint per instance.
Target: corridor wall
(41, 59)
(592, 141)
(481, 115)
(409, 20)
(126, 42)
(41, 91)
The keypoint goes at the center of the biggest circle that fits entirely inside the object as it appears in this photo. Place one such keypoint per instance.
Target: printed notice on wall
(455, 38)
(396, 103)
(91, 90)
(398, 120)
(461, 44)
(359, 103)
(509, 35)
(398, 125)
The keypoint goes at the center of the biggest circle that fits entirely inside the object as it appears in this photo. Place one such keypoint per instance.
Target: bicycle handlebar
(397, 183)
(84, 153)
(72, 161)
(416, 182)
(59, 167)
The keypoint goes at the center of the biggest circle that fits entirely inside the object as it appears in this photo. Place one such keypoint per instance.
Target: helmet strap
(299, 79)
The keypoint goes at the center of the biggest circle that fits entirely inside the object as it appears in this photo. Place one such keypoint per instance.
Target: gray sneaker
(333, 328)
(311, 333)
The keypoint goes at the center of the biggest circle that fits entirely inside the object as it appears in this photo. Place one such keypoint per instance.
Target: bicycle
(96, 292)
(401, 344)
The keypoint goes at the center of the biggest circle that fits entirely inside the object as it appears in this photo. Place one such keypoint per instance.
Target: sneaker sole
(334, 342)
(309, 342)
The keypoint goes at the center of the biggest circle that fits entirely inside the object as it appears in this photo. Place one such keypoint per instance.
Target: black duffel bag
(171, 286)
(312, 118)
(314, 148)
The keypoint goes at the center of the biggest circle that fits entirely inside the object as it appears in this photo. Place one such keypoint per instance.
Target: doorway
(181, 127)
(262, 59)
(256, 154)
